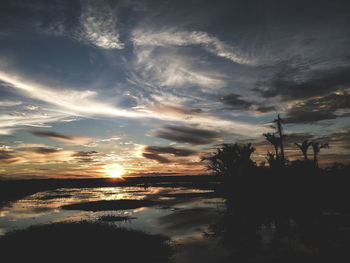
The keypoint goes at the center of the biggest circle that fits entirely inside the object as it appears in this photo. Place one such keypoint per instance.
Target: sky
(148, 87)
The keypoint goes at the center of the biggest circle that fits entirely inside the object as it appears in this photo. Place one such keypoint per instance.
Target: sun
(114, 170)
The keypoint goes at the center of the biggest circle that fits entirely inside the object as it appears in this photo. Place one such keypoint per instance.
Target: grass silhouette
(83, 241)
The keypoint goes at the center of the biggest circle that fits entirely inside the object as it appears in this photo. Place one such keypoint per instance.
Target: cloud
(292, 138)
(98, 26)
(68, 102)
(61, 137)
(171, 68)
(156, 157)
(298, 81)
(8, 103)
(338, 140)
(170, 150)
(184, 134)
(9, 122)
(43, 150)
(265, 109)
(33, 153)
(174, 37)
(39, 153)
(235, 102)
(7, 156)
(85, 156)
(52, 135)
(175, 110)
(318, 109)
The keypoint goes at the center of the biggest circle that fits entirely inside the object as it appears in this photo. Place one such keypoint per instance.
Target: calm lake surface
(183, 214)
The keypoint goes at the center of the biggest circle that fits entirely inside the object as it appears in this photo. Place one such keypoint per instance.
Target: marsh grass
(83, 242)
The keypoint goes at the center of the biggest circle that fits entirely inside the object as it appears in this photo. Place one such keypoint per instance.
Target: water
(184, 215)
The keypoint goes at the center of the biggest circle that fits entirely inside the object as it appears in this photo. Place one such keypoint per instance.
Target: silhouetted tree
(279, 128)
(303, 147)
(316, 147)
(274, 140)
(230, 159)
(274, 161)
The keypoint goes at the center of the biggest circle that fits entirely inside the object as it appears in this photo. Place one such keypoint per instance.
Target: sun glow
(114, 170)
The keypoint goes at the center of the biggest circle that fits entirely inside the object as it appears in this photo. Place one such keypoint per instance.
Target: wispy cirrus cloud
(9, 103)
(11, 121)
(174, 37)
(98, 25)
(70, 102)
(63, 103)
(173, 70)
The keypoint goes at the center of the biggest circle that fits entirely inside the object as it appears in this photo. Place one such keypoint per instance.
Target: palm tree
(316, 147)
(303, 147)
(278, 122)
(274, 140)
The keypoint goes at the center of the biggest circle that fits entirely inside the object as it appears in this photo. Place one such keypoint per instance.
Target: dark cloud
(317, 109)
(84, 153)
(291, 82)
(156, 157)
(338, 139)
(41, 150)
(235, 102)
(292, 138)
(8, 157)
(189, 135)
(154, 153)
(144, 174)
(85, 156)
(52, 135)
(170, 150)
(264, 109)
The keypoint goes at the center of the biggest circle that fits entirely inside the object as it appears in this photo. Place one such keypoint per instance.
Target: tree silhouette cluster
(305, 207)
(230, 158)
(233, 159)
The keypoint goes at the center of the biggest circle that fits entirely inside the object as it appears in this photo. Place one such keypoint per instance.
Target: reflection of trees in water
(304, 207)
(306, 218)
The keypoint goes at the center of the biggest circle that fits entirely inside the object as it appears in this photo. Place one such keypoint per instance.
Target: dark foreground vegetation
(305, 209)
(83, 242)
